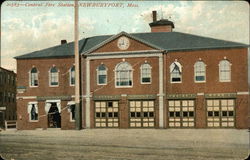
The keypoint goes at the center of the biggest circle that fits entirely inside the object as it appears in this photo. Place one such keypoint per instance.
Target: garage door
(142, 113)
(220, 112)
(106, 114)
(181, 113)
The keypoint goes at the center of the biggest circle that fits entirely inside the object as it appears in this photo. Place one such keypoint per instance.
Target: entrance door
(54, 117)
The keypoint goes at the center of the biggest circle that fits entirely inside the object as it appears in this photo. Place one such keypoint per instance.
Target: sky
(28, 26)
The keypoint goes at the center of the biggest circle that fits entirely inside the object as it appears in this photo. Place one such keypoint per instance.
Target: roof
(169, 41)
(161, 22)
(6, 70)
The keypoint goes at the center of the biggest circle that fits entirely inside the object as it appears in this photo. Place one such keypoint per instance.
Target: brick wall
(64, 89)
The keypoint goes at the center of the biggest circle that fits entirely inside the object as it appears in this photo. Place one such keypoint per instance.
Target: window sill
(225, 81)
(200, 81)
(175, 82)
(146, 83)
(54, 86)
(123, 86)
(33, 120)
(102, 84)
(33, 86)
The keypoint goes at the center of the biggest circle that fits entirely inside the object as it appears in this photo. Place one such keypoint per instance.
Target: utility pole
(77, 71)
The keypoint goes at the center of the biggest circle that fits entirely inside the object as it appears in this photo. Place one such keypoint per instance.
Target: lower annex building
(159, 79)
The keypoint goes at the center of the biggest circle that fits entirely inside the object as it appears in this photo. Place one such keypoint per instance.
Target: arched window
(175, 72)
(33, 77)
(123, 73)
(101, 75)
(53, 76)
(72, 76)
(225, 71)
(199, 71)
(146, 73)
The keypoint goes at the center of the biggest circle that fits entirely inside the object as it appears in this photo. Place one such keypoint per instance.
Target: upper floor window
(53, 77)
(101, 75)
(145, 73)
(123, 74)
(33, 111)
(225, 71)
(175, 72)
(72, 76)
(33, 77)
(199, 71)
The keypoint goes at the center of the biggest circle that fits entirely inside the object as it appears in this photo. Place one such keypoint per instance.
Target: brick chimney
(64, 41)
(163, 25)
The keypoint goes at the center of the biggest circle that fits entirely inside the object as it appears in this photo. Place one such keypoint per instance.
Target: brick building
(159, 79)
(7, 96)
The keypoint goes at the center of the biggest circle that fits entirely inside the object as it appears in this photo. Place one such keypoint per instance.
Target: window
(72, 112)
(53, 75)
(175, 72)
(225, 71)
(101, 75)
(220, 112)
(72, 76)
(123, 73)
(199, 71)
(33, 77)
(33, 111)
(145, 73)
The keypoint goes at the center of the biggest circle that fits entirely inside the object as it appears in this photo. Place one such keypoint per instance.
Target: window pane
(102, 74)
(146, 73)
(72, 75)
(123, 74)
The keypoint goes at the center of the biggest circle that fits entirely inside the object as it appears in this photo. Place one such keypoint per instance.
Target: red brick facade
(43, 91)
(157, 104)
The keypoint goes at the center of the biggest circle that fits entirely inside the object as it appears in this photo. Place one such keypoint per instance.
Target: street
(125, 144)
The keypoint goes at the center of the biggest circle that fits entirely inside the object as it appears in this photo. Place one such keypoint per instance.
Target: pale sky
(28, 26)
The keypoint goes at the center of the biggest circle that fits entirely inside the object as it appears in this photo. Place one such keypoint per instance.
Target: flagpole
(77, 70)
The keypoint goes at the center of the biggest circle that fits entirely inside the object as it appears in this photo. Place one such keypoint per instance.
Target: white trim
(111, 38)
(69, 110)
(230, 71)
(30, 78)
(200, 94)
(97, 75)
(26, 97)
(150, 73)
(243, 93)
(101, 56)
(87, 116)
(50, 77)
(132, 70)
(58, 104)
(204, 72)
(70, 76)
(161, 94)
(29, 105)
(171, 68)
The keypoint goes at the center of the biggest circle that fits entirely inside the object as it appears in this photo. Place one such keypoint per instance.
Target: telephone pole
(78, 117)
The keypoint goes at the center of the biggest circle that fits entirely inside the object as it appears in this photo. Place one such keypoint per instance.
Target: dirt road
(125, 144)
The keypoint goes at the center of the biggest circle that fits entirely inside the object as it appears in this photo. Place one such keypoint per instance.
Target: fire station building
(158, 79)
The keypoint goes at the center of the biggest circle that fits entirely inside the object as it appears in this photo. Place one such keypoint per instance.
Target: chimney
(163, 25)
(154, 16)
(64, 41)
